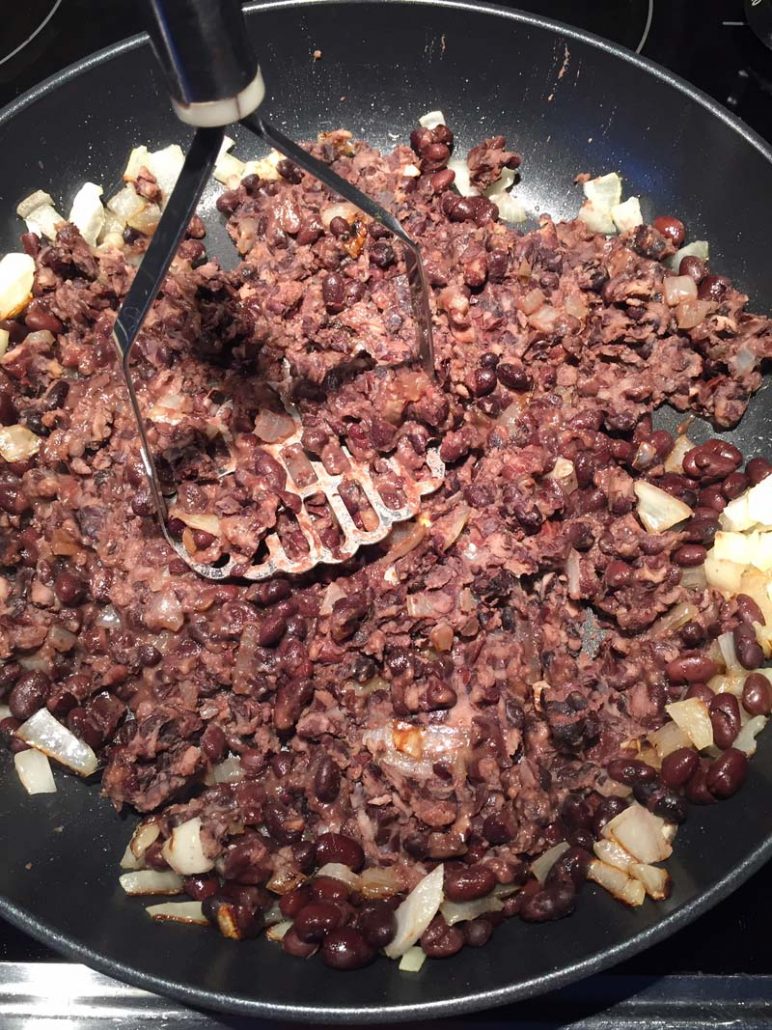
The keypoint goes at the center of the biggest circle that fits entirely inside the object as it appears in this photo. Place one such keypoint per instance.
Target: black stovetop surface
(707, 42)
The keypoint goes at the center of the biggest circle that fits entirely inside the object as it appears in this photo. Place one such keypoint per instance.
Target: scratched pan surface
(569, 103)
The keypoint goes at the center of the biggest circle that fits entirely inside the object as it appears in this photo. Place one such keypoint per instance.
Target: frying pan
(569, 102)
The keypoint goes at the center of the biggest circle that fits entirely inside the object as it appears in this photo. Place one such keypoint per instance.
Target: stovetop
(710, 43)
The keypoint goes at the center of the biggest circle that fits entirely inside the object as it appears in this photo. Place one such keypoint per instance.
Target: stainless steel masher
(215, 80)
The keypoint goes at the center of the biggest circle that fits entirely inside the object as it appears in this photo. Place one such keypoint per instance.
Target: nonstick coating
(569, 103)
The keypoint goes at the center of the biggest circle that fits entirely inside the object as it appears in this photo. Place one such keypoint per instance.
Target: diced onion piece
(674, 462)
(604, 191)
(677, 617)
(144, 835)
(564, 475)
(463, 911)
(620, 885)
(139, 158)
(184, 850)
(694, 578)
(679, 288)
(341, 210)
(151, 881)
(5, 337)
(511, 208)
(376, 883)
(728, 653)
(229, 770)
(725, 576)
(412, 961)
(657, 509)
(504, 182)
(189, 912)
(447, 529)
(278, 931)
(285, 879)
(126, 203)
(689, 313)
(228, 169)
(656, 881)
(48, 735)
(87, 212)
(166, 165)
(146, 219)
(731, 684)
(736, 515)
(760, 502)
(541, 866)
(462, 181)
(416, 912)
(612, 854)
(44, 221)
(265, 167)
(274, 426)
(693, 718)
(746, 738)
(432, 119)
(639, 832)
(669, 831)
(30, 203)
(207, 523)
(341, 872)
(17, 443)
(697, 249)
(597, 219)
(129, 861)
(34, 771)
(627, 215)
(668, 738)
(17, 273)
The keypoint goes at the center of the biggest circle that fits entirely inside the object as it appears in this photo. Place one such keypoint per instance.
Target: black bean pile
(431, 699)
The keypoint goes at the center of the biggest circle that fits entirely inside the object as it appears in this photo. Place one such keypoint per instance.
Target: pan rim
(469, 1000)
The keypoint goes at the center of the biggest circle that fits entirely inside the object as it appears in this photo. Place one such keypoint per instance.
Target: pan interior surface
(569, 104)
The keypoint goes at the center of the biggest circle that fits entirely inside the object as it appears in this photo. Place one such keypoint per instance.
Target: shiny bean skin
(702, 691)
(571, 867)
(477, 932)
(727, 774)
(691, 669)
(713, 460)
(757, 694)
(346, 949)
(201, 887)
(758, 469)
(748, 610)
(553, 902)
(440, 940)
(377, 923)
(606, 811)
(690, 555)
(697, 788)
(8, 727)
(734, 485)
(630, 771)
(748, 649)
(290, 904)
(326, 780)
(671, 228)
(329, 888)
(713, 287)
(337, 847)
(679, 766)
(293, 945)
(725, 718)
(29, 693)
(469, 883)
(315, 921)
(693, 267)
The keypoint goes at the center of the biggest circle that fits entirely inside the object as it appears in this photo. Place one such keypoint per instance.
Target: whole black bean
(38, 317)
(285, 827)
(513, 376)
(692, 634)
(315, 921)
(200, 887)
(690, 555)
(346, 949)
(499, 828)
(748, 610)
(290, 904)
(333, 293)
(748, 649)
(725, 718)
(581, 839)
(329, 888)
(29, 694)
(8, 728)
(606, 811)
(227, 202)
(377, 923)
(303, 854)
(693, 267)
(440, 940)
(734, 485)
(702, 528)
(213, 742)
(292, 945)
(702, 691)
(671, 228)
(713, 460)
(271, 628)
(442, 180)
(477, 932)
(757, 694)
(553, 902)
(697, 788)
(338, 847)
(326, 780)
(693, 668)
(713, 287)
(571, 867)
(630, 771)
(576, 813)
(679, 766)
(69, 588)
(483, 381)
(712, 497)
(618, 574)
(12, 496)
(727, 774)
(382, 254)
(670, 806)
(469, 883)
(758, 469)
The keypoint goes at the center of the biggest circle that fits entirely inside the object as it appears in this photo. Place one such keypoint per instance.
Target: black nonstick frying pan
(569, 102)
